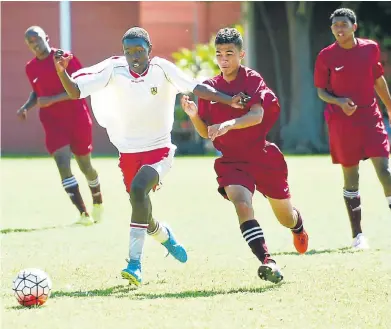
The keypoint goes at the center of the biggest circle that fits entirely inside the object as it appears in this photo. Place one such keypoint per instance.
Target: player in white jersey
(133, 97)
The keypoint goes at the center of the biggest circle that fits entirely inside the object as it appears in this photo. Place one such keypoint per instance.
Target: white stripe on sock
(247, 236)
(250, 230)
(255, 237)
(351, 194)
(69, 182)
(93, 183)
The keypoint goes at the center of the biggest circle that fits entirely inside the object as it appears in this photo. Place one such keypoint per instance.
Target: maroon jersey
(241, 143)
(350, 73)
(45, 82)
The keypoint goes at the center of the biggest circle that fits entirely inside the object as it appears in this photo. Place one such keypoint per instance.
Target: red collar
(136, 75)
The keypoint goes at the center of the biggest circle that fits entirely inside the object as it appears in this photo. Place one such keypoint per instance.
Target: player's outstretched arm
(50, 100)
(207, 92)
(191, 110)
(30, 103)
(382, 90)
(253, 117)
(346, 104)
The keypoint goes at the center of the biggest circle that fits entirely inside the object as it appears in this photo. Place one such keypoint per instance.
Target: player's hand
(188, 106)
(61, 60)
(348, 106)
(22, 113)
(219, 129)
(44, 101)
(240, 100)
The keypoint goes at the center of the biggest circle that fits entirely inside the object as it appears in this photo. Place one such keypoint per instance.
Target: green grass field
(329, 288)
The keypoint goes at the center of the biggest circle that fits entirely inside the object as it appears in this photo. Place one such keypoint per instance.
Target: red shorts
(353, 139)
(76, 132)
(159, 159)
(267, 172)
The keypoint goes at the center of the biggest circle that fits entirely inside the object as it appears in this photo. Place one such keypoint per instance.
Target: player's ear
(242, 54)
(355, 27)
(150, 49)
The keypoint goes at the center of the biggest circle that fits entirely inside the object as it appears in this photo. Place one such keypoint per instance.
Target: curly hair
(345, 12)
(229, 35)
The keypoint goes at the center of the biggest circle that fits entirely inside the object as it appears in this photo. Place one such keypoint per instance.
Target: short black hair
(345, 12)
(229, 35)
(137, 32)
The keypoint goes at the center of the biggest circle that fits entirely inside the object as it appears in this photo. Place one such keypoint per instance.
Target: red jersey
(350, 73)
(241, 143)
(44, 80)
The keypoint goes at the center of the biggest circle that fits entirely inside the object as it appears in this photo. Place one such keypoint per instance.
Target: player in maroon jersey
(248, 161)
(347, 74)
(67, 123)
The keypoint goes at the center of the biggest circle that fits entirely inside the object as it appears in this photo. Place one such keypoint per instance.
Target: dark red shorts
(77, 133)
(352, 140)
(159, 159)
(267, 172)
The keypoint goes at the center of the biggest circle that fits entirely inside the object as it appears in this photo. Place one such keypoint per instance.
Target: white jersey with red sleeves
(136, 110)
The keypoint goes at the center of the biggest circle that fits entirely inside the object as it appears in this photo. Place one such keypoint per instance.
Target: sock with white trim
(95, 190)
(253, 235)
(72, 188)
(353, 205)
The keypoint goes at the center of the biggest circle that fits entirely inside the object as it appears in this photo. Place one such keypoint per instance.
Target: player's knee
(86, 168)
(287, 218)
(244, 208)
(384, 174)
(138, 192)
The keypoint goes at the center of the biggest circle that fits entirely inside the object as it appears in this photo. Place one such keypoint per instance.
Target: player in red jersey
(347, 74)
(67, 123)
(248, 161)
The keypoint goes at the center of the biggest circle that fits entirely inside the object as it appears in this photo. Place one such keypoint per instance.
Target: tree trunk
(276, 61)
(304, 131)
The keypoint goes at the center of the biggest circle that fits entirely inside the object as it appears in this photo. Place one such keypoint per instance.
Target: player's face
(343, 29)
(136, 52)
(37, 43)
(228, 58)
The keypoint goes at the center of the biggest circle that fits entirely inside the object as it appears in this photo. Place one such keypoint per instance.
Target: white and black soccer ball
(32, 287)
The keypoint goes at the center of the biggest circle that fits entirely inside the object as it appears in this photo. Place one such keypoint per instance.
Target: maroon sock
(253, 235)
(72, 188)
(95, 191)
(353, 205)
(298, 228)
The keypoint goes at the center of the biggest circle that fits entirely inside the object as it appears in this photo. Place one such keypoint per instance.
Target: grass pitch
(330, 287)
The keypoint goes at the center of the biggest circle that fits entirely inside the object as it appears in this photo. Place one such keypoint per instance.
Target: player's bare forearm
(383, 92)
(69, 85)
(328, 98)
(61, 97)
(251, 118)
(31, 101)
(209, 93)
(200, 126)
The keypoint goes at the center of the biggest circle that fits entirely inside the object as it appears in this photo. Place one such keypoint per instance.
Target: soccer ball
(32, 287)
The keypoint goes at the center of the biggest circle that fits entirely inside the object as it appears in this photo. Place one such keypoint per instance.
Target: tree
(303, 132)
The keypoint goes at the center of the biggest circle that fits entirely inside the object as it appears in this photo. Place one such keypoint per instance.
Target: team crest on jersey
(154, 90)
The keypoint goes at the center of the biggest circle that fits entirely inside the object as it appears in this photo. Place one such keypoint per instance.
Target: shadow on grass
(344, 250)
(27, 230)
(132, 292)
